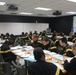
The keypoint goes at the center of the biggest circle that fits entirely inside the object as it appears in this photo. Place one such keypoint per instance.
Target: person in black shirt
(7, 36)
(8, 56)
(70, 66)
(55, 39)
(41, 67)
(35, 43)
(46, 43)
(67, 51)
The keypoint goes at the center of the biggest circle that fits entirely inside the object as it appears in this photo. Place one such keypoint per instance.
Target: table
(27, 54)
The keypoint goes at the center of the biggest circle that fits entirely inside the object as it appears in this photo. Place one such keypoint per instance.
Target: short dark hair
(46, 39)
(54, 35)
(38, 53)
(64, 40)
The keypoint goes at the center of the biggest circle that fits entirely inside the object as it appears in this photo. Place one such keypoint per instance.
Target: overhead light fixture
(2, 3)
(41, 8)
(24, 13)
(72, 0)
(71, 12)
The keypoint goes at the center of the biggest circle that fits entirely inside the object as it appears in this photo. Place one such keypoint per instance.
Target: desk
(51, 57)
(2, 41)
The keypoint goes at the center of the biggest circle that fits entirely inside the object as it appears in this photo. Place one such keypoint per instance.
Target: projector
(57, 12)
(12, 7)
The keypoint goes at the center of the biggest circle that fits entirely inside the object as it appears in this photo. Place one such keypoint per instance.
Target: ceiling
(29, 5)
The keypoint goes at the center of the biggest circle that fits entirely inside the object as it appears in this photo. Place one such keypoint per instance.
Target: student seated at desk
(48, 45)
(8, 56)
(55, 39)
(35, 43)
(2, 36)
(70, 66)
(41, 67)
(67, 51)
(7, 36)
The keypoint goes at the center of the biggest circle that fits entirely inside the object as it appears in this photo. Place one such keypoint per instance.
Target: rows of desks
(26, 52)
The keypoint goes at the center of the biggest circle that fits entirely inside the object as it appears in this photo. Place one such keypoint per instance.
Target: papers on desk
(58, 65)
(69, 59)
(46, 51)
(30, 58)
(49, 36)
(57, 56)
(59, 37)
(28, 48)
(25, 55)
(70, 43)
(17, 47)
(20, 53)
(16, 50)
(52, 53)
(0, 45)
(3, 41)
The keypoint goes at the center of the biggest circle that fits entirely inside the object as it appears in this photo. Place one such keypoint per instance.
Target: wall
(63, 24)
(17, 23)
(60, 24)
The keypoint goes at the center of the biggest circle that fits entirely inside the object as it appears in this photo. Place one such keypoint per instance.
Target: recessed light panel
(71, 12)
(41, 8)
(2, 3)
(24, 13)
(72, 0)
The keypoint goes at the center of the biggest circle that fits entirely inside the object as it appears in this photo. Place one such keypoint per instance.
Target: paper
(46, 51)
(17, 47)
(20, 53)
(25, 55)
(16, 50)
(13, 48)
(0, 45)
(57, 56)
(69, 59)
(3, 41)
(70, 43)
(52, 53)
(30, 58)
(58, 65)
(29, 48)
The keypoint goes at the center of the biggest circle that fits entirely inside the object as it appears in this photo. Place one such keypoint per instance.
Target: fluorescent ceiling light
(25, 13)
(41, 8)
(72, 0)
(71, 12)
(2, 3)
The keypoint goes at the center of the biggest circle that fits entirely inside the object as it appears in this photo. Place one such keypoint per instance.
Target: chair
(71, 73)
(1, 58)
(6, 68)
(20, 70)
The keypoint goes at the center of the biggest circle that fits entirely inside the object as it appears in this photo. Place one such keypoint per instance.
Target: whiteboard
(18, 28)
